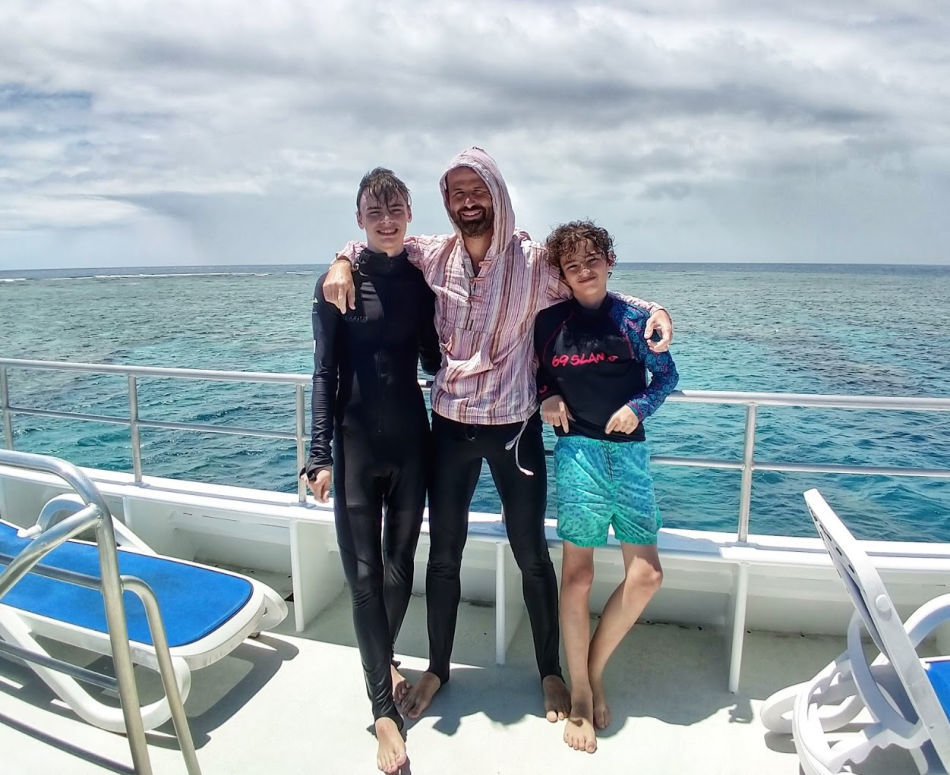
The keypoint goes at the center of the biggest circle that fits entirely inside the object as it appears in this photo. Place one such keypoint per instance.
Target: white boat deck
(295, 703)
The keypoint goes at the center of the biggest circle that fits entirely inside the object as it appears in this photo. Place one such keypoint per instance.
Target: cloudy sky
(236, 131)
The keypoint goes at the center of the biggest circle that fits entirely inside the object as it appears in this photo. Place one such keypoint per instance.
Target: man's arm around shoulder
(338, 288)
(659, 322)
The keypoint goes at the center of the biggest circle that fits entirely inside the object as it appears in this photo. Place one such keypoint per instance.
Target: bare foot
(579, 731)
(419, 697)
(401, 686)
(557, 699)
(601, 708)
(391, 754)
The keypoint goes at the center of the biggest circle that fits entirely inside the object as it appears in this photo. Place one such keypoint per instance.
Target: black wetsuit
(367, 399)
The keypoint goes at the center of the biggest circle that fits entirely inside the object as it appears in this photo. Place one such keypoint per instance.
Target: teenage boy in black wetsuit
(592, 386)
(368, 403)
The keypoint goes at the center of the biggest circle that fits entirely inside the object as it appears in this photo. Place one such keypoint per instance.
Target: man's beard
(478, 228)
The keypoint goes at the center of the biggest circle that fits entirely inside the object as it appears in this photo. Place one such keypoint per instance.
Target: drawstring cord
(514, 443)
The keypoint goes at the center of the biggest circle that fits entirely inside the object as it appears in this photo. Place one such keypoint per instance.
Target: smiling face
(469, 202)
(585, 271)
(385, 221)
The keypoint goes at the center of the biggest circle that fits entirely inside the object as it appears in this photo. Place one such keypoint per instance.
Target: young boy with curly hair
(593, 388)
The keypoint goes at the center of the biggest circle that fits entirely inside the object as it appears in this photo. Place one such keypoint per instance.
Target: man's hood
(487, 169)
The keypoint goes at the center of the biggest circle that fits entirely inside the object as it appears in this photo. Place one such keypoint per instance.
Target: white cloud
(29, 212)
(694, 131)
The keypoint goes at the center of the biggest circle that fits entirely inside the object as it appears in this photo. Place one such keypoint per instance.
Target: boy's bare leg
(642, 578)
(577, 576)
(391, 753)
(401, 686)
(419, 697)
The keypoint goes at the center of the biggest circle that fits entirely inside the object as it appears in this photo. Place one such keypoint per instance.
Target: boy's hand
(555, 412)
(624, 420)
(660, 321)
(338, 288)
(320, 485)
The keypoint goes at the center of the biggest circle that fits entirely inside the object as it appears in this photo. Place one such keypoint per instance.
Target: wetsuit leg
(523, 500)
(358, 512)
(456, 464)
(405, 502)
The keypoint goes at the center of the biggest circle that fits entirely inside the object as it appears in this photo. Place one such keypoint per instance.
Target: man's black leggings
(458, 450)
(378, 555)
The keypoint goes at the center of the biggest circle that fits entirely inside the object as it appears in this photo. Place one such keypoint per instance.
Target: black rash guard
(596, 360)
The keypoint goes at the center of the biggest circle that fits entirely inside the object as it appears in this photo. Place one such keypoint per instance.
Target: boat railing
(747, 465)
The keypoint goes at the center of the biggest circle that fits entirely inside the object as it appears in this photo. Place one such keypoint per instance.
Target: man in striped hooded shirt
(490, 280)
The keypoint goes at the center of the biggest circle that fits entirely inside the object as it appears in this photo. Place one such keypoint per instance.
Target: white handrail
(747, 465)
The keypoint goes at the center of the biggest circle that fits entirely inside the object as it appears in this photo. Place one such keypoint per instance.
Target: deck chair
(896, 699)
(176, 616)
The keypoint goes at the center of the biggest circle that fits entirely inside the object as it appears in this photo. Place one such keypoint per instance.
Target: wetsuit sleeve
(660, 365)
(326, 328)
(544, 379)
(430, 355)
(649, 306)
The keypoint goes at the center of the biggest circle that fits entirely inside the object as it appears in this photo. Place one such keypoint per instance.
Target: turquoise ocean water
(848, 329)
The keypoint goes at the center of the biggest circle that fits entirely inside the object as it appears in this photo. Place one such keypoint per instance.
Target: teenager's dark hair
(384, 185)
(566, 237)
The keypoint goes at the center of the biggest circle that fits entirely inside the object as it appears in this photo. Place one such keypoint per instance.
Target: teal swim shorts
(603, 483)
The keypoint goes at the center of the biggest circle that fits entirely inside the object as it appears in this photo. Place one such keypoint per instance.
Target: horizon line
(144, 267)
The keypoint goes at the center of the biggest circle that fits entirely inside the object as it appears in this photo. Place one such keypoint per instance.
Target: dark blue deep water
(843, 329)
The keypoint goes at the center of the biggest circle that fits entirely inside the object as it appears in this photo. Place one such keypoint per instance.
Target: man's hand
(624, 420)
(338, 288)
(658, 321)
(320, 484)
(555, 412)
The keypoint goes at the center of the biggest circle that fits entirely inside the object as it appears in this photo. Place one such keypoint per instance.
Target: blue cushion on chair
(938, 671)
(193, 600)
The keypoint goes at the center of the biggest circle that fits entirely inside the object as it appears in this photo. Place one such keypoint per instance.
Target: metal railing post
(119, 638)
(5, 400)
(748, 461)
(134, 428)
(301, 409)
(166, 669)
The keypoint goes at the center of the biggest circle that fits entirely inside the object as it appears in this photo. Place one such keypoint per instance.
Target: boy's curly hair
(566, 237)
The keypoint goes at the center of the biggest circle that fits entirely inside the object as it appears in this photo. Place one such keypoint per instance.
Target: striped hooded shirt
(485, 321)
